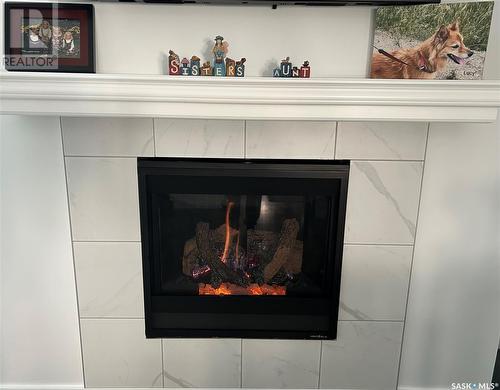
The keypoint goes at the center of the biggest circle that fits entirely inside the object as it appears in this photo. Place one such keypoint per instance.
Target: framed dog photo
(49, 37)
(436, 41)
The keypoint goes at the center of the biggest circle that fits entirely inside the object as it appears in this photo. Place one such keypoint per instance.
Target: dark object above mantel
(275, 4)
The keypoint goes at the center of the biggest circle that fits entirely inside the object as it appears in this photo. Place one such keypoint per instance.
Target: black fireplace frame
(160, 310)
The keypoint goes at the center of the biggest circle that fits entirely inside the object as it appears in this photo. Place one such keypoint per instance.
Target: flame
(234, 289)
(228, 233)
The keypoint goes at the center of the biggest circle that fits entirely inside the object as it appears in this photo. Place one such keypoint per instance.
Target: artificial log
(219, 234)
(288, 236)
(262, 238)
(191, 253)
(293, 265)
(266, 237)
(190, 257)
(208, 254)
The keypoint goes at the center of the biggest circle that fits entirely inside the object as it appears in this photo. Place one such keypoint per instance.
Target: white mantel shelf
(248, 98)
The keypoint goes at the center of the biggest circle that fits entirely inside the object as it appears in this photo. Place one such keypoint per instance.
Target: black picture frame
(46, 56)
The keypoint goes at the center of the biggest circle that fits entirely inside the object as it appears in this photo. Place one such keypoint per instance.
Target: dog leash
(389, 55)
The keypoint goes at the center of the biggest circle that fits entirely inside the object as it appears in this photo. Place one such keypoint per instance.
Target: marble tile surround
(384, 192)
(202, 362)
(98, 263)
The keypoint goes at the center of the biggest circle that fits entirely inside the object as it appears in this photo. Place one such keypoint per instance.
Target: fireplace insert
(242, 248)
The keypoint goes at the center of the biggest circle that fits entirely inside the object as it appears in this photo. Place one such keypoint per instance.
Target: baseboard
(422, 388)
(77, 387)
(40, 387)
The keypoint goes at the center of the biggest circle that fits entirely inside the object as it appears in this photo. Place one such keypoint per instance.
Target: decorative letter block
(240, 68)
(295, 72)
(206, 69)
(195, 66)
(276, 72)
(185, 71)
(286, 69)
(305, 70)
(173, 64)
(230, 67)
(218, 70)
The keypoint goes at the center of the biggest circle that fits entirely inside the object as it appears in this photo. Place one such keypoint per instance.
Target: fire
(234, 289)
(227, 243)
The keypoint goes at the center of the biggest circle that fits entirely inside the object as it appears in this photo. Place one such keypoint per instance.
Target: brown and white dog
(425, 60)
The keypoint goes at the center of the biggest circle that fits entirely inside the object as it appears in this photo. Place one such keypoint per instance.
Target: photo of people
(59, 37)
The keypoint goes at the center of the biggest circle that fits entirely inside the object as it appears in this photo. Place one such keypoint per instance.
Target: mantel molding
(248, 98)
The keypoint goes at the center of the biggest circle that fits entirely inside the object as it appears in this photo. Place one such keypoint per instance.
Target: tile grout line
(102, 156)
(413, 255)
(110, 318)
(375, 244)
(142, 318)
(241, 363)
(162, 366)
(335, 142)
(105, 241)
(72, 250)
(387, 160)
(245, 140)
(154, 138)
(258, 158)
(320, 358)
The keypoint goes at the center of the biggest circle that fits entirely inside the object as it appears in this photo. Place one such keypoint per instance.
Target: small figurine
(173, 64)
(240, 68)
(295, 72)
(45, 32)
(219, 51)
(305, 70)
(230, 67)
(185, 67)
(286, 67)
(221, 66)
(276, 72)
(195, 66)
(206, 69)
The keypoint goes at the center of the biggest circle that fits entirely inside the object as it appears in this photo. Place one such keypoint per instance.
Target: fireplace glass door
(241, 248)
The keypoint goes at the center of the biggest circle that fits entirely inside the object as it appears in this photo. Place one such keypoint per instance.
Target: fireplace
(242, 248)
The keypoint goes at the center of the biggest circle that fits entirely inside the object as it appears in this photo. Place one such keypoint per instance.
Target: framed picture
(435, 41)
(49, 37)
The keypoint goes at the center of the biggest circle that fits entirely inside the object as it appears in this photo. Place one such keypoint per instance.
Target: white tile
(280, 363)
(200, 138)
(382, 202)
(116, 353)
(109, 279)
(202, 362)
(364, 356)
(290, 139)
(374, 282)
(107, 136)
(103, 195)
(381, 140)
